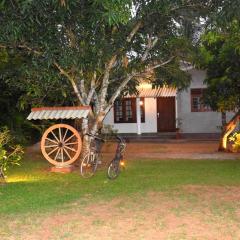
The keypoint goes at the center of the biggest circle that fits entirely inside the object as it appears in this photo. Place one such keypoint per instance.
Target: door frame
(158, 117)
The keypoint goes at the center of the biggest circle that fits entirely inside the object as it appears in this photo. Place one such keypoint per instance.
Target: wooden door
(166, 114)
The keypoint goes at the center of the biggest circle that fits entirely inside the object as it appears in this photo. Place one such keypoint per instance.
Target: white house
(165, 110)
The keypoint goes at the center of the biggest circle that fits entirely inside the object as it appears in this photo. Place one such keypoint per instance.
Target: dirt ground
(193, 212)
(190, 212)
(172, 149)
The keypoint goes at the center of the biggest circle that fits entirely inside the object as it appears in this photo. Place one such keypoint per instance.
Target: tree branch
(92, 89)
(159, 64)
(105, 81)
(134, 31)
(129, 77)
(150, 45)
(30, 49)
(23, 46)
(72, 81)
(83, 91)
(189, 6)
(96, 101)
(118, 91)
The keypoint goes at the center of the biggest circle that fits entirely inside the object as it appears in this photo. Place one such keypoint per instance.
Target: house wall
(150, 125)
(197, 122)
(190, 122)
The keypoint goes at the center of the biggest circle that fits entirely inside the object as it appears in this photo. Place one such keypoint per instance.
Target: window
(118, 107)
(130, 110)
(196, 101)
(125, 110)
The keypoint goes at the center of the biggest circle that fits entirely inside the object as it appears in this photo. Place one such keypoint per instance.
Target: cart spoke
(69, 138)
(50, 146)
(65, 135)
(62, 154)
(67, 153)
(51, 140)
(72, 149)
(57, 154)
(53, 151)
(55, 136)
(72, 143)
(60, 134)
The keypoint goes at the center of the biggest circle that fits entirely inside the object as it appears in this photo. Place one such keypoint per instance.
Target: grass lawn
(151, 199)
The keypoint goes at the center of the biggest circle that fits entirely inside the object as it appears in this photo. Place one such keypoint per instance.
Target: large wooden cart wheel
(61, 145)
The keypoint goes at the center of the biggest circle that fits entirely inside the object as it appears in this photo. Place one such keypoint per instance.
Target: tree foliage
(99, 48)
(220, 55)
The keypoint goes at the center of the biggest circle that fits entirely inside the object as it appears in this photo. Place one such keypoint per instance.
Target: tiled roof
(156, 92)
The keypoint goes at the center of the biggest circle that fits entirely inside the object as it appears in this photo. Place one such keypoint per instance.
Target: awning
(149, 92)
(58, 113)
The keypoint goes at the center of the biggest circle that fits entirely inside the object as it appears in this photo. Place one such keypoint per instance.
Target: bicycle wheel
(113, 169)
(89, 165)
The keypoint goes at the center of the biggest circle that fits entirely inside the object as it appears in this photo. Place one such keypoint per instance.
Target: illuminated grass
(32, 188)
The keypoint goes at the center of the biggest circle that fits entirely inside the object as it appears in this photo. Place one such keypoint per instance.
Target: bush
(108, 132)
(235, 138)
(10, 153)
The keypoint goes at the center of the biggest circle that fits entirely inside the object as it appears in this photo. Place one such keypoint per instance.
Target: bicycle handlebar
(120, 139)
(94, 136)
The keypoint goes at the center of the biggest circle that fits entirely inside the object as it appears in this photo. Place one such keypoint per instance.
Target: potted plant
(178, 128)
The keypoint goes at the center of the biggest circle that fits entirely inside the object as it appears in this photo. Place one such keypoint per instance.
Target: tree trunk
(227, 129)
(85, 146)
(2, 177)
(85, 138)
(224, 119)
(93, 128)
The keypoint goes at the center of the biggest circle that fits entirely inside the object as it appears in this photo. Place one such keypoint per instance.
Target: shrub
(235, 138)
(10, 153)
(108, 132)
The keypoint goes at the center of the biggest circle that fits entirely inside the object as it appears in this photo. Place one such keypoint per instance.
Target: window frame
(198, 93)
(133, 108)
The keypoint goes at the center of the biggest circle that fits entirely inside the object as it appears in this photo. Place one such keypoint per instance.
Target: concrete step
(162, 137)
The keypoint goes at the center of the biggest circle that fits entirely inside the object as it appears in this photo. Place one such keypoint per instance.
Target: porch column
(176, 111)
(138, 111)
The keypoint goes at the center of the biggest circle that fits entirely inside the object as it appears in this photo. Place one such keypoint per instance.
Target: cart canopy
(59, 113)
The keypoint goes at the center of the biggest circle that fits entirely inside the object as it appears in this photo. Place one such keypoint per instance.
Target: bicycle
(92, 158)
(115, 165)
